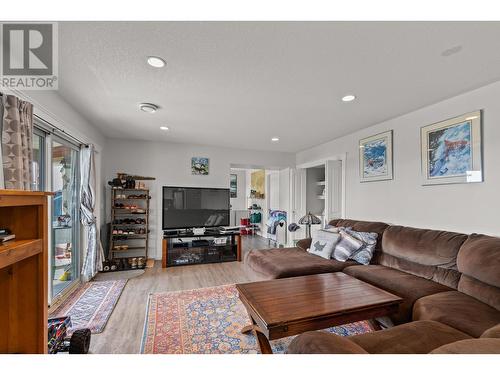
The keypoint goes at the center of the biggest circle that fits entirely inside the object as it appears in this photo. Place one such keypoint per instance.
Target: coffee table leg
(248, 328)
(264, 345)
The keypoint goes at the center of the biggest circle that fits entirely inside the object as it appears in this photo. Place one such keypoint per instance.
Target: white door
(333, 185)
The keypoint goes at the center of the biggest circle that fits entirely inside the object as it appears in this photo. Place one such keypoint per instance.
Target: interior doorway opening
(255, 203)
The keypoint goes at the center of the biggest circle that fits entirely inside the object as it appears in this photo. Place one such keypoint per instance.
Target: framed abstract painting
(452, 150)
(233, 185)
(375, 157)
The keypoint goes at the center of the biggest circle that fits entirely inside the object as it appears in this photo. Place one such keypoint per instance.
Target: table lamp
(309, 220)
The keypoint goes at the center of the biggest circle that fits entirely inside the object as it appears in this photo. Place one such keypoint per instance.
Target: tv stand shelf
(187, 249)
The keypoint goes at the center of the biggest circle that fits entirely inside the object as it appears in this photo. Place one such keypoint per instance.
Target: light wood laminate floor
(123, 333)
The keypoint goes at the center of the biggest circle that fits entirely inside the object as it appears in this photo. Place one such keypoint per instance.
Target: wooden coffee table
(287, 307)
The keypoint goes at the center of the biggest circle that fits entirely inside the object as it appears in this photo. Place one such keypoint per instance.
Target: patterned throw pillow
(346, 247)
(323, 243)
(333, 229)
(365, 253)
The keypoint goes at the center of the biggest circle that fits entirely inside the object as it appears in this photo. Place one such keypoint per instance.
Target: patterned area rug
(209, 321)
(91, 304)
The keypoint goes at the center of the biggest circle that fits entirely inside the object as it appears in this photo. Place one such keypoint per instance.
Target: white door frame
(315, 163)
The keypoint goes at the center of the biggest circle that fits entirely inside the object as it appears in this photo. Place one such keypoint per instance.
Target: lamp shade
(310, 219)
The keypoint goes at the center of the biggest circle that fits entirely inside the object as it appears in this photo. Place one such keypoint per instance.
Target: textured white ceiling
(238, 84)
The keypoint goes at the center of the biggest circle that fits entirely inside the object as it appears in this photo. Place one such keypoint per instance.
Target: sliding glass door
(65, 258)
(38, 176)
(56, 168)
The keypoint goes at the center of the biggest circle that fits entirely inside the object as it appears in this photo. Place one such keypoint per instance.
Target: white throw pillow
(323, 243)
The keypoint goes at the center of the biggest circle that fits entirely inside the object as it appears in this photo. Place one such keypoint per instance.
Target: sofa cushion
(320, 342)
(479, 262)
(403, 284)
(430, 254)
(458, 310)
(362, 226)
(471, 346)
(289, 262)
(411, 338)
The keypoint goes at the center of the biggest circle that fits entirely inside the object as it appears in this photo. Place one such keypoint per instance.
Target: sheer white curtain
(94, 254)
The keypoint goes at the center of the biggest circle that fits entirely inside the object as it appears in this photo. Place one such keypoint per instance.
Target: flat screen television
(188, 207)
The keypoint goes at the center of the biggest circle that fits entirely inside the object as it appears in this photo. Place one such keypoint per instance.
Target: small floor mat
(91, 305)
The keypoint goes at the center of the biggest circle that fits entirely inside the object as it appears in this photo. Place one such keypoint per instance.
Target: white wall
(462, 207)
(170, 163)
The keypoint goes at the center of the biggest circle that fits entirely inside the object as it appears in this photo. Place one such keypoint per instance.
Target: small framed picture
(451, 150)
(233, 185)
(199, 166)
(375, 157)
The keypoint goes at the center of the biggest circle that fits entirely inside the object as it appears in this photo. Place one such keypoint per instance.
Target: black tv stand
(184, 248)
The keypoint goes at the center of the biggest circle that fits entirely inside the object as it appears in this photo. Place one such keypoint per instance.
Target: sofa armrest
(304, 243)
(492, 333)
(323, 343)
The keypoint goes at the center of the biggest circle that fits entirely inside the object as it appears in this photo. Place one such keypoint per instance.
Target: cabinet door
(333, 185)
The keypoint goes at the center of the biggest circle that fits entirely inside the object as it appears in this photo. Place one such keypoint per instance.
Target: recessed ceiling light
(164, 128)
(156, 62)
(348, 98)
(148, 107)
(451, 51)
(275, 139)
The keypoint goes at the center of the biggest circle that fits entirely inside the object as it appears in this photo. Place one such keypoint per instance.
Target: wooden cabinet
(23, 272)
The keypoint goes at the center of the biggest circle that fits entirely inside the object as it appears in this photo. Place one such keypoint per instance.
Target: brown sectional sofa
(295, 261)
(413, 263)
(475, 305)
(445, 278)
(419, 337)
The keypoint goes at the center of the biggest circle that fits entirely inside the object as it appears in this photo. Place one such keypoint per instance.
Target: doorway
(319, 189)
(255, 203)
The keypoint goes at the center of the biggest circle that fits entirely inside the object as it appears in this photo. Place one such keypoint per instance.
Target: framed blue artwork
(451, 150)
(375, 157)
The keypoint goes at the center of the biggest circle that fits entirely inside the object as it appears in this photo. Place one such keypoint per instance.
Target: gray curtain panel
(94, 255)
(17, 143)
